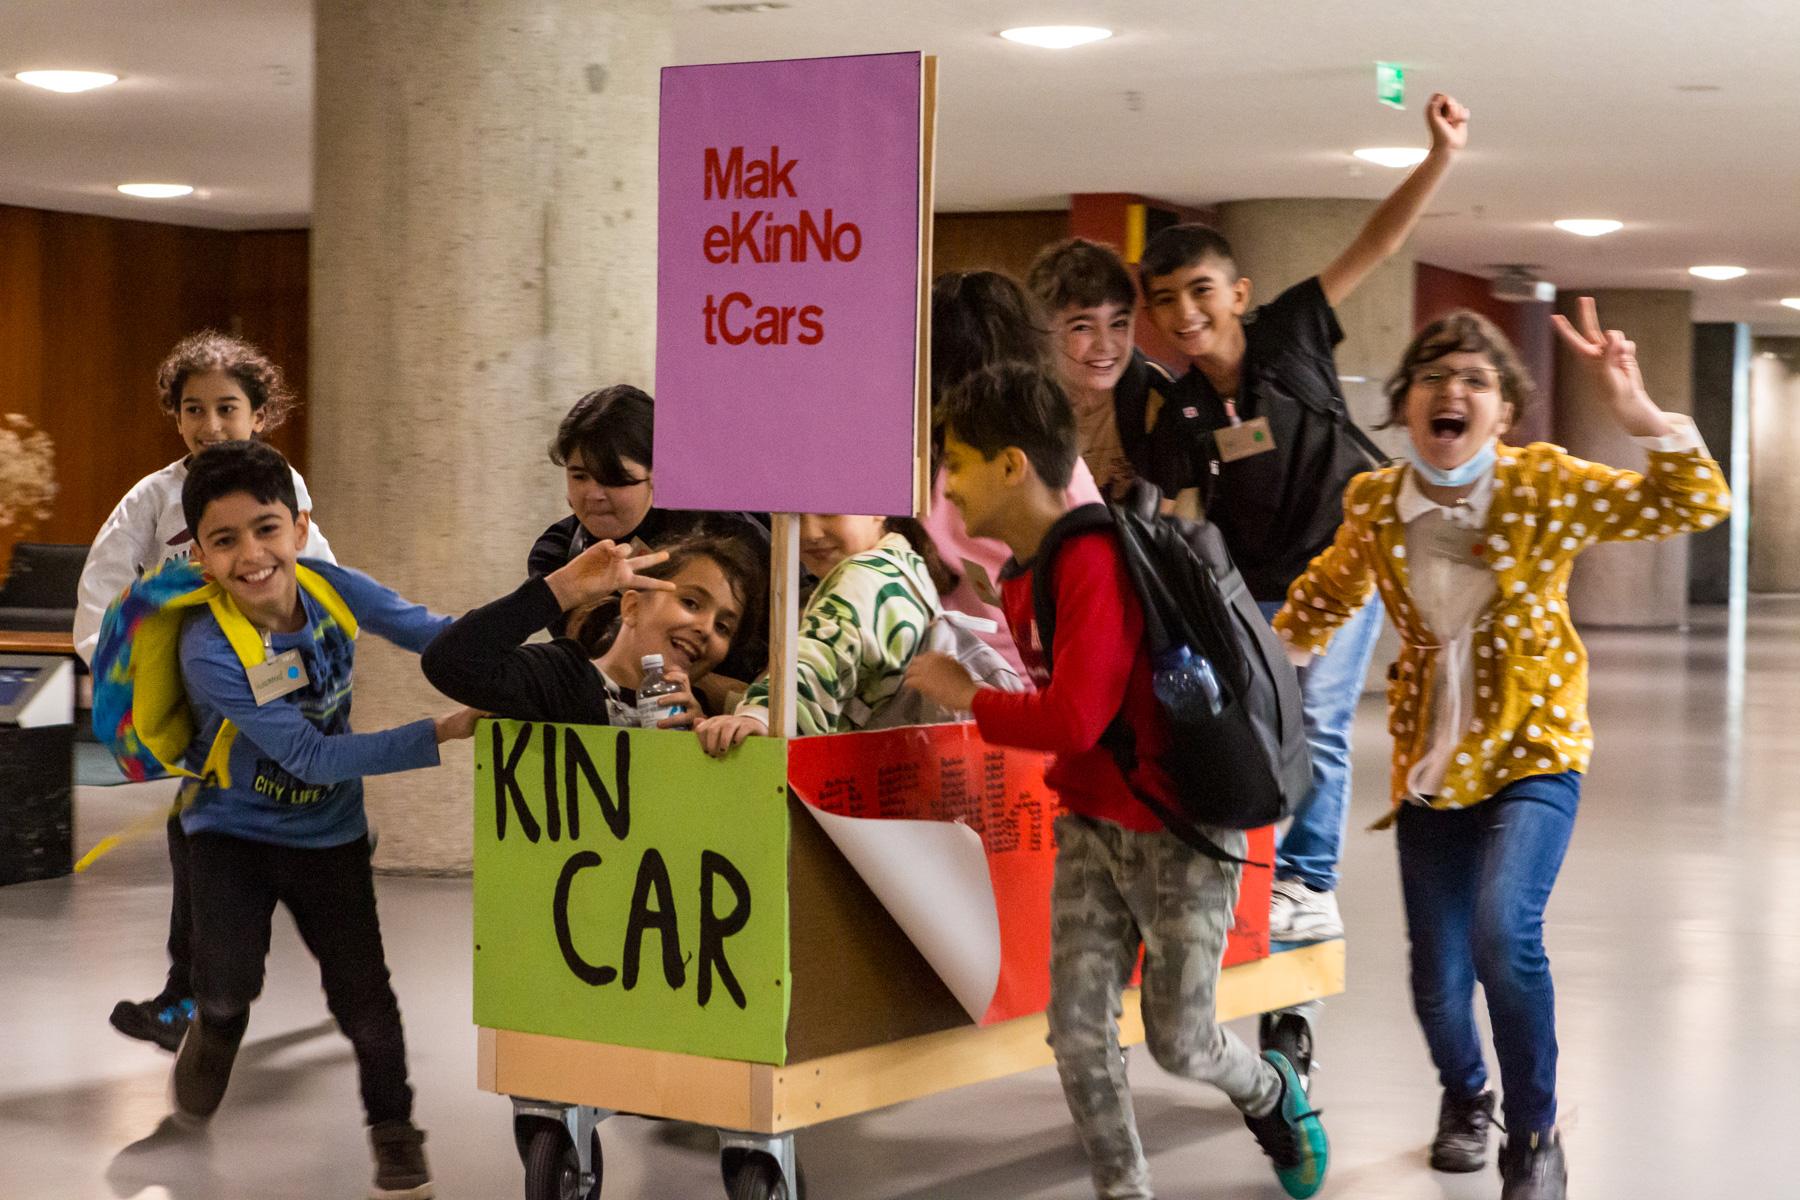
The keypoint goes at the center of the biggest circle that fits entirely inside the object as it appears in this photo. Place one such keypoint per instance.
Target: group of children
(1041, 406)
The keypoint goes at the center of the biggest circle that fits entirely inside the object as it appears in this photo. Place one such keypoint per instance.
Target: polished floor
(1675, 935)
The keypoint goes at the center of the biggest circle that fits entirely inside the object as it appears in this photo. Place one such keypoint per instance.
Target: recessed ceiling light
(1589, 227)
(745, 8)
(1056, 37)
(1718, 273)
(66, 81)
(156, 191)
(1391, 156)
(1792, 302)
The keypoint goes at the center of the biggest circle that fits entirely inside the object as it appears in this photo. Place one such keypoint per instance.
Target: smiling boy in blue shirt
(277, 815)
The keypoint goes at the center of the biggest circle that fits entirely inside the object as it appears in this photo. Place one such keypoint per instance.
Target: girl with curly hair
(216, 388)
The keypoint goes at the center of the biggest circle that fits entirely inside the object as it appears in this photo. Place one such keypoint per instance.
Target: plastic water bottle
(652, 689)
(1186, 684)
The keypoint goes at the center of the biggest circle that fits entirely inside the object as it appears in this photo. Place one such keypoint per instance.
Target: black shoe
(1532, 1168)
(400, 1170)
(161, 1019)
(1462, 1133)
(203, 1066)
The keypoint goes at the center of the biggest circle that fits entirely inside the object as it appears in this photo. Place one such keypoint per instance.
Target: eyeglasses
(1473, 379)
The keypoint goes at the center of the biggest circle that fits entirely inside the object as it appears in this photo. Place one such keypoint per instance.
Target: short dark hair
(595, 626)
(1077, 273)
(1016, 404)
(604, 428)
(977, 318)
(743, 568)
(1182, 246)
(221, 470)
(1463, 331)
(210, 350)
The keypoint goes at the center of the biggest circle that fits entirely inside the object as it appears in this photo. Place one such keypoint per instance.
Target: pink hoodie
(945, 525)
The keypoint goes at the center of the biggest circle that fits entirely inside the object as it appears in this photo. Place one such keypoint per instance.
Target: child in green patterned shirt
(877, 593)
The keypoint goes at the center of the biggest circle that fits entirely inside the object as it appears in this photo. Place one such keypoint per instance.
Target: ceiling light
(156, 191)
(1588, 227)
(1718, 273)
(1792, 302)
(1391, 156)
(1056, 37)
(66, 81)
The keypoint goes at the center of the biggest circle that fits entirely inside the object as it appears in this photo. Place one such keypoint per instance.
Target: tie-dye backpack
(141, 710)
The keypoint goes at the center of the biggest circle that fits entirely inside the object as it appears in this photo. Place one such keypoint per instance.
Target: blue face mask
(1462, 476)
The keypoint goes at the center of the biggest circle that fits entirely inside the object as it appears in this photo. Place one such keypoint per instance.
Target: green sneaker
(1292, 1135)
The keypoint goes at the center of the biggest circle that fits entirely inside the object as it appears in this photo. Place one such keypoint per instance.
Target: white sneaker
(1299, 914)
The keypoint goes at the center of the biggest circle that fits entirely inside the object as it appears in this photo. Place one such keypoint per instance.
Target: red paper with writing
(947, 773)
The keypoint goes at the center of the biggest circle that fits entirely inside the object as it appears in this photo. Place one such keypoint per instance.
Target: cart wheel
(1290, 1033)
(552, 1172)
(758, 1178)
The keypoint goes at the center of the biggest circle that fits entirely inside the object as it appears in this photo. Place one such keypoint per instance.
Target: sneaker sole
(423, 1191)
(1458, 1166)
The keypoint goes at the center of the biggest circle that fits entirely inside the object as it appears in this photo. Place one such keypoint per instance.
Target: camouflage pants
(1116, 888)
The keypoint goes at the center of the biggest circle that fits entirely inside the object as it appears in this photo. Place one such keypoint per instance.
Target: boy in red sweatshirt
(1122, 880)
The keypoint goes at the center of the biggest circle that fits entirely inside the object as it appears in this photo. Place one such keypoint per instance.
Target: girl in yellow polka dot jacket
(1471, 545)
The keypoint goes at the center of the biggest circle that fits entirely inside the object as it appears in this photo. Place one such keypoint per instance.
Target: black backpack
(1247, 766)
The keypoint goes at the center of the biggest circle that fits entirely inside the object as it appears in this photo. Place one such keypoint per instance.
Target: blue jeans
(1330, 687)
(1475, 882)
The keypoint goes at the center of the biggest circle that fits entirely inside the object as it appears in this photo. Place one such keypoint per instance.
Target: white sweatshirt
(145, 530)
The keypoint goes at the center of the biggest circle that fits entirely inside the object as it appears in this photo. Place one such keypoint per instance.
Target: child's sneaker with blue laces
(161, 1019)
(1292, 1135)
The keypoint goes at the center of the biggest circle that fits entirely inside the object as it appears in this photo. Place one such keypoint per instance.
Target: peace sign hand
(602, 569)
(1610, 359)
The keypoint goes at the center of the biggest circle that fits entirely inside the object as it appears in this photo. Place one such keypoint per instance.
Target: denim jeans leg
(1440, 869)
(1330, 687)
(1526, 831)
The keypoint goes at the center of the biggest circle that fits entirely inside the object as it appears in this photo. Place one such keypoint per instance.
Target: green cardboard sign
(630, 890)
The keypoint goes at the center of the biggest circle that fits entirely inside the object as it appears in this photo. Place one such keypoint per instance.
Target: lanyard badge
(277, 676)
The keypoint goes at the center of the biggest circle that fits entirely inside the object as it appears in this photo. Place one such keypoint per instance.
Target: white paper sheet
(932, 877)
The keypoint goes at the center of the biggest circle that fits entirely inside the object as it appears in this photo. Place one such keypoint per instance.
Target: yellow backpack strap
(248, 644)
(164, 722)
(321, 590)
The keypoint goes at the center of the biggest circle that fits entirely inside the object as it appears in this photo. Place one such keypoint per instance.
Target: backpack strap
(1118, 739)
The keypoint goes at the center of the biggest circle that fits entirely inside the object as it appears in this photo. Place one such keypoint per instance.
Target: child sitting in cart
(866, 619)
(1470, 546)
(690, 603)
(1123, 882)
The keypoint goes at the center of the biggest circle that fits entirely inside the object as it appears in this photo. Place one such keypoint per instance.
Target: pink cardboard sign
(788, 276)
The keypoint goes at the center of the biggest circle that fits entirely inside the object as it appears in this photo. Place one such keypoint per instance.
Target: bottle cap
(651, 660)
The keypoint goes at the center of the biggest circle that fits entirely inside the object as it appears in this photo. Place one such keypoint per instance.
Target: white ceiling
(1578, 110)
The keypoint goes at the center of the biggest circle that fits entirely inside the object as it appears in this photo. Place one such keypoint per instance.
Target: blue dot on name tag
(293, 672)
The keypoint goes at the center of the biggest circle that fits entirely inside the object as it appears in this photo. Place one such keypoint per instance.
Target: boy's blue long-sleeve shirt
(296, 769)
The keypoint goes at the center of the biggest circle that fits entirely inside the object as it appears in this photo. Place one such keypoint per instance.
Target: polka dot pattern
(1529, 689)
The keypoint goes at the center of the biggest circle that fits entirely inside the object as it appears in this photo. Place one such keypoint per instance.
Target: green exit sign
(1390, 84)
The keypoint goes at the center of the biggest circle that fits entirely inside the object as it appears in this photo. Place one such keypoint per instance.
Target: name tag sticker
(280, 676)
(981, 581)
(1245, 440)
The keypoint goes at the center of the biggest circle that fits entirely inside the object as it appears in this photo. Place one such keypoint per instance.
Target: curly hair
(210, 350)
(1461, 331)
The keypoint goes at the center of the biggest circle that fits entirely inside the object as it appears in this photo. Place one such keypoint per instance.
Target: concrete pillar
(1721, 402)
(1641, 584)
(1280, 242)
(483, 252)
(1775, 448)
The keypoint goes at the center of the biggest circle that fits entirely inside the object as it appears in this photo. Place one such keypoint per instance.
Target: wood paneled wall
(89, 306)
(994, 241)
